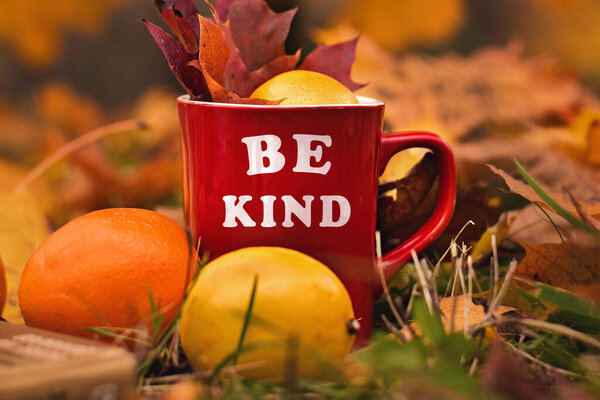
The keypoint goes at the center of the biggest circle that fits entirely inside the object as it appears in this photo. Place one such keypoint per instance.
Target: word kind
(264, 157)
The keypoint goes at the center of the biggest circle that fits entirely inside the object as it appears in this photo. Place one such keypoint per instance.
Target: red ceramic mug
(302, 177)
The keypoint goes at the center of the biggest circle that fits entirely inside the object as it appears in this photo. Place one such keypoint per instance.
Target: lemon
(301, 316)
(300, 87)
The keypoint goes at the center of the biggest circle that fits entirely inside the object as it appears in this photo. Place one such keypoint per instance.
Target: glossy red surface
(216, 164)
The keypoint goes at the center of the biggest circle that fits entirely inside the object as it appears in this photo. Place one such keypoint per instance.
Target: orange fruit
(2, 287)
(97, 269)
(297, 299)
(300, 87)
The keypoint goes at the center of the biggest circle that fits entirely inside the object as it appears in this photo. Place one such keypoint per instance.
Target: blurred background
(458, 67)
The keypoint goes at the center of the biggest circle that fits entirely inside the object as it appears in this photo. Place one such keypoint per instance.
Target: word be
(276, 160)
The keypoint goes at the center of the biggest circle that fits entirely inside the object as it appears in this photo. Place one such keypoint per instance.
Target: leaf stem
(74, 145)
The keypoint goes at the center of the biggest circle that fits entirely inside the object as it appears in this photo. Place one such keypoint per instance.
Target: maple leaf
(178, 58)
(212, 60)
(258, 32)
(214, 51)
(335, 61)
(180, 15)
(571, 265)
(244, 70)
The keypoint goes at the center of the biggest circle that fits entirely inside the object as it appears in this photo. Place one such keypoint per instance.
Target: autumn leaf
(507, 374)
(214, 51)
(570, 265)
(483, 247)
(243, 47)
(23, 227)
(258, 33)
(181, 17)
(459, 313)
(479, 198)
(588, 211)
(405, 204)
(190, 78)
(238, 78)
(335, 60)
(494, 84)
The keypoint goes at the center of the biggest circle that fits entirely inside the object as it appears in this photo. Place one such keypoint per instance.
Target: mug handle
(392, 143)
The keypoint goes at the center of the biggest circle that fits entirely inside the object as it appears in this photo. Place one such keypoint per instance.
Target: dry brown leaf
(571, 265)
(507, 375)
(56, 103)
(479, 199)
(581, 209)
(592, 151)
(454, 318)
(496, 84)
(23, 227)
(404, 205)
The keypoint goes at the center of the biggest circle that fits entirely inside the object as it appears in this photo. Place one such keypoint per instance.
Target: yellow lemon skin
(300, 87)
(300, 314)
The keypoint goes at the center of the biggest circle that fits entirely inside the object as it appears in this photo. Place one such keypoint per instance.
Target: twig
(453, 255)
(436, 269)
(469, 294)
(393, 329)
(76, 144)
(496, 266)
(504, 289)
(384, 285)
(473, 366)
(531, 358)
(411, 300)
(199, 374)
(550, 327)
(422, 281)
(474, 276)
(582, 214)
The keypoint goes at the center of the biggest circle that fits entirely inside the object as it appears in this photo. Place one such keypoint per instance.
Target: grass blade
(567, 300)
(115, 335)
(247, 318)
(553, 203)
(157, 317)
(233, 358)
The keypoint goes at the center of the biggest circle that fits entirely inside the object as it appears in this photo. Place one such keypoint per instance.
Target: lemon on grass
(301, 310)
(300, 87)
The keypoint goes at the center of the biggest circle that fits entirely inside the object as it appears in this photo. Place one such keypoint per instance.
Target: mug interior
(362, 102)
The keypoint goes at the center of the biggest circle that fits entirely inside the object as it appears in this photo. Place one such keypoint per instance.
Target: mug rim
(364, 102)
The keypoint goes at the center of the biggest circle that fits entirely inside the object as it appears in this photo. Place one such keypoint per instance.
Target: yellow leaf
(23, 227)
(483, 247)
(458, 312)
